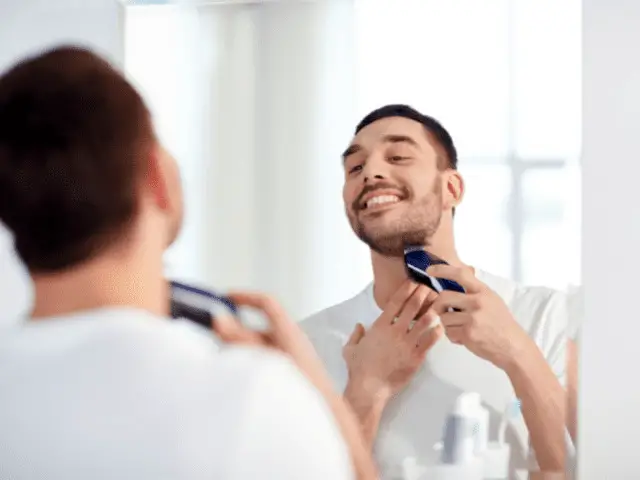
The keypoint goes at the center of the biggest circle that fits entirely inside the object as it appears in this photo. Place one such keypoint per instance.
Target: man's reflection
(504, 340)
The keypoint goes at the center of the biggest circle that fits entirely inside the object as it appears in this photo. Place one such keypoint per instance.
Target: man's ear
(454, 189)
(155, 181)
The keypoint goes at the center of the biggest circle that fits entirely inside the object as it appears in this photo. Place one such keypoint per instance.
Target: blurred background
(257, 99)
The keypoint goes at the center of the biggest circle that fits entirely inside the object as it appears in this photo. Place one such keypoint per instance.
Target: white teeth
(381, 199)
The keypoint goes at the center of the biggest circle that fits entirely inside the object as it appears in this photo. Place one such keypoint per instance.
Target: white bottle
(459, 439)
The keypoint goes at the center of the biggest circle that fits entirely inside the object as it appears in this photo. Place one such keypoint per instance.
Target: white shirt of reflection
(413, 422)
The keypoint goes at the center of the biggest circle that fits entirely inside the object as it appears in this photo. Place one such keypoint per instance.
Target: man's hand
(385, 358)
(485, 326)
(483, 322)
(381, 361)
(286, 336)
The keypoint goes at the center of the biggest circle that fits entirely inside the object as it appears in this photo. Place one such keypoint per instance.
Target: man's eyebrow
(400, 139)
(354, 148)
(392, 138)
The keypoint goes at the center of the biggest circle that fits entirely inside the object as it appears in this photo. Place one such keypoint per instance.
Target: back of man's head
(74, 142)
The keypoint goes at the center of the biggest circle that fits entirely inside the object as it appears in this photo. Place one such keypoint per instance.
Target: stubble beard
(415, 227)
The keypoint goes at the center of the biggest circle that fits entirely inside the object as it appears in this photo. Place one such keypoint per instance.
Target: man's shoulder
(513, 292)
(209, 393)
(197, 350)
(134, 342)
(532, 305)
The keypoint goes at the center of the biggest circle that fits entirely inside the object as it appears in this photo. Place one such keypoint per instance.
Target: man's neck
(110, 281)
(389, 272)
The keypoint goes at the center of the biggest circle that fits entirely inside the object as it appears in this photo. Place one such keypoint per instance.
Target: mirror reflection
(404, 177)
(465, 106)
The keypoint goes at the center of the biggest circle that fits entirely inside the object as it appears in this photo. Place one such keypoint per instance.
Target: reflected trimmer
(417, 260)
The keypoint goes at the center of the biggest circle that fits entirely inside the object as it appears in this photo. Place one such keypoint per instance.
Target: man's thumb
(357, 335)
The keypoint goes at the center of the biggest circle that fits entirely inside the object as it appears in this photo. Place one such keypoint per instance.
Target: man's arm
(382, 360)
(544, 403)
(367, 408)
(482, 321)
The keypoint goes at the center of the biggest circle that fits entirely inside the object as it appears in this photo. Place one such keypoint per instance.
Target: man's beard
(415, 227)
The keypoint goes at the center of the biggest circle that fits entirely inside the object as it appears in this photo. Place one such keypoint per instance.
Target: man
(505, 342)
(98, 383)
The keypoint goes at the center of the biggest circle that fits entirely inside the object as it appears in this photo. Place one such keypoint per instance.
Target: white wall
(256, 102)
(26, 27)
(609, 386)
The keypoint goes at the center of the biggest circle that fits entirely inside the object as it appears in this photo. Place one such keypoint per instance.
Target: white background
(609, 388)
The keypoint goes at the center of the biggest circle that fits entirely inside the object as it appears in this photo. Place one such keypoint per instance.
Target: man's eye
(397, 158)
(357, 168)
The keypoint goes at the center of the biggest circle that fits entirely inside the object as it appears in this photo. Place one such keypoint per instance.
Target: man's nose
(375, 169)
(374, 177)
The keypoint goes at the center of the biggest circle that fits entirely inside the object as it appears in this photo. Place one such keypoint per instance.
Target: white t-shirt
(413, 421)
(122, 394)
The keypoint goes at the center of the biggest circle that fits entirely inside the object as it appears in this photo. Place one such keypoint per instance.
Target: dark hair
(434, 127)
(73, 141)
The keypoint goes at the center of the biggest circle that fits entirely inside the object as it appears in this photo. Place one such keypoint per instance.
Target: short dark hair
(73, 141)
(435, 128)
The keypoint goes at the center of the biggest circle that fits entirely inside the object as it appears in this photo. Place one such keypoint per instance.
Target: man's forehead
(394, 130)
(390, 126)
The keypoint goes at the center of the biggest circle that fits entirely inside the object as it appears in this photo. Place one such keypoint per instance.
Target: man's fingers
(455, 334)
(277, 317)
(454, 324)
(231, 331)
(429, 338)
(356, 336)
(412, 307)
(424, 323)
(462, 276)
(285, 334)
(260, 301)
(448, 300)
(397, 302)
(454, 319)
(427, 303)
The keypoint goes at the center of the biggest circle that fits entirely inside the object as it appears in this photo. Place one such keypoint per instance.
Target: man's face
(393, 190)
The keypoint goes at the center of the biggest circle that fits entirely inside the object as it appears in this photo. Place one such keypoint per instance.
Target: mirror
(259, 100)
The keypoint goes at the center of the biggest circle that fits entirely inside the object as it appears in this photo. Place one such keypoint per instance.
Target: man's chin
(386, 245)
(387, 250)
(392, 242)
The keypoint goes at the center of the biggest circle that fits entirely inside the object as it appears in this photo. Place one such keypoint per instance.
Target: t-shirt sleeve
(575, 299)
(556, 334)
(558, 331)
(289, 431)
